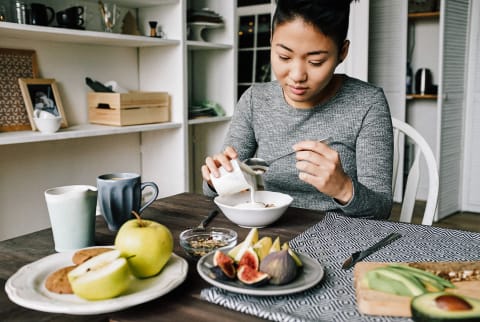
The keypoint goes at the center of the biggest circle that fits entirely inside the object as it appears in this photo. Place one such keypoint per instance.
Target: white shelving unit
(32, 162)
(211, 76)
(441, 45)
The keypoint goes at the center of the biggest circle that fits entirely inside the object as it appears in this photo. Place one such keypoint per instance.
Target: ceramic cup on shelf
(121, 193)
(71, 17)
(46, 122)
(72, 211)
(41, 14)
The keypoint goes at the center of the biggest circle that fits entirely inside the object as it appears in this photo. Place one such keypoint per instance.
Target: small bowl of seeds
(198, 242)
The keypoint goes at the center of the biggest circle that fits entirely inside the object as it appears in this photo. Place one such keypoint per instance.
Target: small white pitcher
(241, 178)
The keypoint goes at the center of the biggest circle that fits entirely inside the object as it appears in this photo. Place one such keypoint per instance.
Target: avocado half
(444, 306)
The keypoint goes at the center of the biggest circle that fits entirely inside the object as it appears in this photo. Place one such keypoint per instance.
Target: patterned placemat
(331, 241)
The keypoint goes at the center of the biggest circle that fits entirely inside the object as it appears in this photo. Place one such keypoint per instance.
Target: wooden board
(379, 303)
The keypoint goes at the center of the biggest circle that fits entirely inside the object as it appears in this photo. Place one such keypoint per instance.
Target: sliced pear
(275, 246)
(237, 252)
(101, 277)
(294, 255)
(234, 251)
(262, 247)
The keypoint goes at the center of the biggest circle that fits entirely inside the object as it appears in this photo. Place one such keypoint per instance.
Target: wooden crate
(131, 108)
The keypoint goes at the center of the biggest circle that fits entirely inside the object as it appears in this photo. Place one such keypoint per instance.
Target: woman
(352, 172)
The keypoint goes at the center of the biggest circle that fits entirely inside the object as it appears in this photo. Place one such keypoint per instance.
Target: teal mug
(121, 193)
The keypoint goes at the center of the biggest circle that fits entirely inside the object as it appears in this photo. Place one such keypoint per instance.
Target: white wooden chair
(421, 147)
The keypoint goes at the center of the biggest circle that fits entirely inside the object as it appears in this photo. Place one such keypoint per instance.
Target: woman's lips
(298, 90)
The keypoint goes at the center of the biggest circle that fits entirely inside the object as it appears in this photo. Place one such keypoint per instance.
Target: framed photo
(41, 94)
(15, 64)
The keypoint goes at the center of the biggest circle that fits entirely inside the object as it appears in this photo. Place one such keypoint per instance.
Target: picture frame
(42, 94)
(15, 64)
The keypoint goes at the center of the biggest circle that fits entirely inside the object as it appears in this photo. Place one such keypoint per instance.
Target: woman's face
(303, 60)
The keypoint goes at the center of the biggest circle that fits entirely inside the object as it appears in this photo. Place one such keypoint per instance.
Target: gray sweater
(357, 119)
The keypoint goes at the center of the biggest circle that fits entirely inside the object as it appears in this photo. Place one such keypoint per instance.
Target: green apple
(147, 245)
(102, 277)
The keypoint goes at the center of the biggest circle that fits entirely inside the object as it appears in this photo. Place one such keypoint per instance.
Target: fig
(251, 277)
(222, 273)
(250, 259)
(221, 258)
(280, 266)
(224, 267)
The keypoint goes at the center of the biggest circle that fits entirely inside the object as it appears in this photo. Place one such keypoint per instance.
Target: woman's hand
(320, 166)
(218, 160)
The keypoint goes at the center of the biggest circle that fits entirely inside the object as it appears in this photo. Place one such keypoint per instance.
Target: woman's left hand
(320, 166)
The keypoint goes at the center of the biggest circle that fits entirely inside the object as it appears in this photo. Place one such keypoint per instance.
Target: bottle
(21, 12)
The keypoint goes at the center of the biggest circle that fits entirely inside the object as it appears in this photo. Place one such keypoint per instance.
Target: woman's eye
(316, 62)
(283, 57)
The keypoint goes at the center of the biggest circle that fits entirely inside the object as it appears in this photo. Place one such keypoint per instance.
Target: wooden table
(182, 304)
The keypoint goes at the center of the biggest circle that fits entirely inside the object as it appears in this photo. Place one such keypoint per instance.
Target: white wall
(27, 170)
(356, 64)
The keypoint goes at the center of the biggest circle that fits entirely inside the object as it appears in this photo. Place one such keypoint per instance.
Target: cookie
(83, 255)
(58, 282)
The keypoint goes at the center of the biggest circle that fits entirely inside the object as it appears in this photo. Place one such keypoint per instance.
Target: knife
(358, 256)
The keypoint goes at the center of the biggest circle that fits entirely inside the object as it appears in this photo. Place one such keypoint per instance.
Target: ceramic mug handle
(154, 197)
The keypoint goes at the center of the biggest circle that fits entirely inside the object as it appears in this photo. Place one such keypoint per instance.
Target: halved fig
(224, 267)
(221, 274)
(250, 259)
(220, 258)
(251, 277)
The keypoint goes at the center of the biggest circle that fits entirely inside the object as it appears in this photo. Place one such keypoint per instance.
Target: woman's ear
(343, 51)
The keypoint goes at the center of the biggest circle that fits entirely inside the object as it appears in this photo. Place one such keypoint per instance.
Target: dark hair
(329, 16)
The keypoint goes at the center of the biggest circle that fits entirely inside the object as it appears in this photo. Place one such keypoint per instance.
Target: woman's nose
(298, 73)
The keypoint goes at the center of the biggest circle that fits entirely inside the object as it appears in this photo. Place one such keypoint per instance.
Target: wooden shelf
(30, 32)
(420, 15)
(80, 131)
(423, 97)
(203, 45)
(213, 119)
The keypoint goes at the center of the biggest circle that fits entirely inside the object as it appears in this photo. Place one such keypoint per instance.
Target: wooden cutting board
(379, 303)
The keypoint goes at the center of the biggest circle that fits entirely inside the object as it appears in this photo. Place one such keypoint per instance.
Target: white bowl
(254, 217)
(48, 125)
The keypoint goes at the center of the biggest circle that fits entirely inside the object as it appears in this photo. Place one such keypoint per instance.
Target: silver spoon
(261, 165)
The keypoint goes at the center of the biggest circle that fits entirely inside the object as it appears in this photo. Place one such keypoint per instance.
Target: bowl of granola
(199, 242)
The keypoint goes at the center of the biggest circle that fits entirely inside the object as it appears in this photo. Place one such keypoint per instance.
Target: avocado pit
(450, 302)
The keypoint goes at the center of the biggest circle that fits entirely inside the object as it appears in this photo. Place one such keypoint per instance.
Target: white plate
(309, 276)
(27, 287)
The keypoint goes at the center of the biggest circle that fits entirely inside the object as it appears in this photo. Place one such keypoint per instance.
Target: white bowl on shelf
(233, 208)
(48, 125)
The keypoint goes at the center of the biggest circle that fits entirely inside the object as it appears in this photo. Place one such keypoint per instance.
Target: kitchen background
(202, 74)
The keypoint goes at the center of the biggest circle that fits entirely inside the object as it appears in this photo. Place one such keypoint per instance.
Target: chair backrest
(421, 147)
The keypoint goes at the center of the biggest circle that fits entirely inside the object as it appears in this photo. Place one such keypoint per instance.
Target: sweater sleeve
(374, 158)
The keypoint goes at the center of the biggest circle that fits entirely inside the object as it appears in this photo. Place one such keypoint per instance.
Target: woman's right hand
(212, 163)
